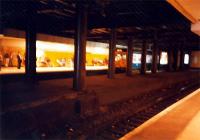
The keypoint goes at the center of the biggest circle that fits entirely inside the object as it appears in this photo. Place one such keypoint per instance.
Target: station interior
(100, 70)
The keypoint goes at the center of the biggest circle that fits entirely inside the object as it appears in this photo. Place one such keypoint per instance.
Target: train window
(186, 59)
(164, 58)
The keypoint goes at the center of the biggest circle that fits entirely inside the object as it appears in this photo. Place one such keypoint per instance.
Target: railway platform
(180, 121)
(107, 90)
(23, 106)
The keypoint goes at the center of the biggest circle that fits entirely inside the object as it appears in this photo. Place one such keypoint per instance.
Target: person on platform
(1, 60)
(19, 60)
(7, 59)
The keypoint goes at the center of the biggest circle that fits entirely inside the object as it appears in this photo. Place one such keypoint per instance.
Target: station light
(186, 59)
(164, 58)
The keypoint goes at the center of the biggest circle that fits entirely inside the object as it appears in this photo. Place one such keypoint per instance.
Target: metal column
(182, 54)
(80, 48)
(112, 47)
(30, 59)
(143, 59)
(160, 53)
(154, 56)
(182, 58)
(170, 59)
(129, 57)
(176, 55)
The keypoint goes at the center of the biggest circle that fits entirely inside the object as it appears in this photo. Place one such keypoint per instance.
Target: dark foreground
(51, 110)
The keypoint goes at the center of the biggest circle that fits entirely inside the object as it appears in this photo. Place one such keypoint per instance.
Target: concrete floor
(107, 90)
(181, 121)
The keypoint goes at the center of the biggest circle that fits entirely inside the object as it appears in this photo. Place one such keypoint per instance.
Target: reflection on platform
(15, 70)
(12, 70)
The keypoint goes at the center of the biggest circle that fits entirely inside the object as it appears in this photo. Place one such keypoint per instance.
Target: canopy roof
(130, 17)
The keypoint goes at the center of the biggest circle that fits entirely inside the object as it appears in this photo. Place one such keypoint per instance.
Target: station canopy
(136, 18)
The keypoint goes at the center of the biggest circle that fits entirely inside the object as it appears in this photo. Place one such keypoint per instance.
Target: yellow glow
(97, 50)
(61, 47)
(39, 53)
(55, 47)
(57, 55)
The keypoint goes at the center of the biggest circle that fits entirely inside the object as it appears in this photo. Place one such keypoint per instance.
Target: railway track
(119, 128)
(118, 119)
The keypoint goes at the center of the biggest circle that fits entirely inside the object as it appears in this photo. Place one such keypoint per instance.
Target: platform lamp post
(30, 58)
(143, 59)
(80, 47)
(112, 48)
(129, 58)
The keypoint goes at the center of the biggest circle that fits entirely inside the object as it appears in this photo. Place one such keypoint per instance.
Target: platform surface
(108, 91)
(181, 121)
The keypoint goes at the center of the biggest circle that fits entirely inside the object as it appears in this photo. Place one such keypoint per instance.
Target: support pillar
(175, 64)
(80, 48)
(170, 59)
(129, 58)
(154, 56)
(112, 47)
(160, 53)
(182, 54)
(143, 59)
(178, 59)
(190, 59)
(30, 58)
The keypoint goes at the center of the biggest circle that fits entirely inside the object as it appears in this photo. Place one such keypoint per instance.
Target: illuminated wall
(51, 54)
(58, 55)
(120, 58)
(136, 63)
(164, 58)
(96, 54)
(9, 49)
